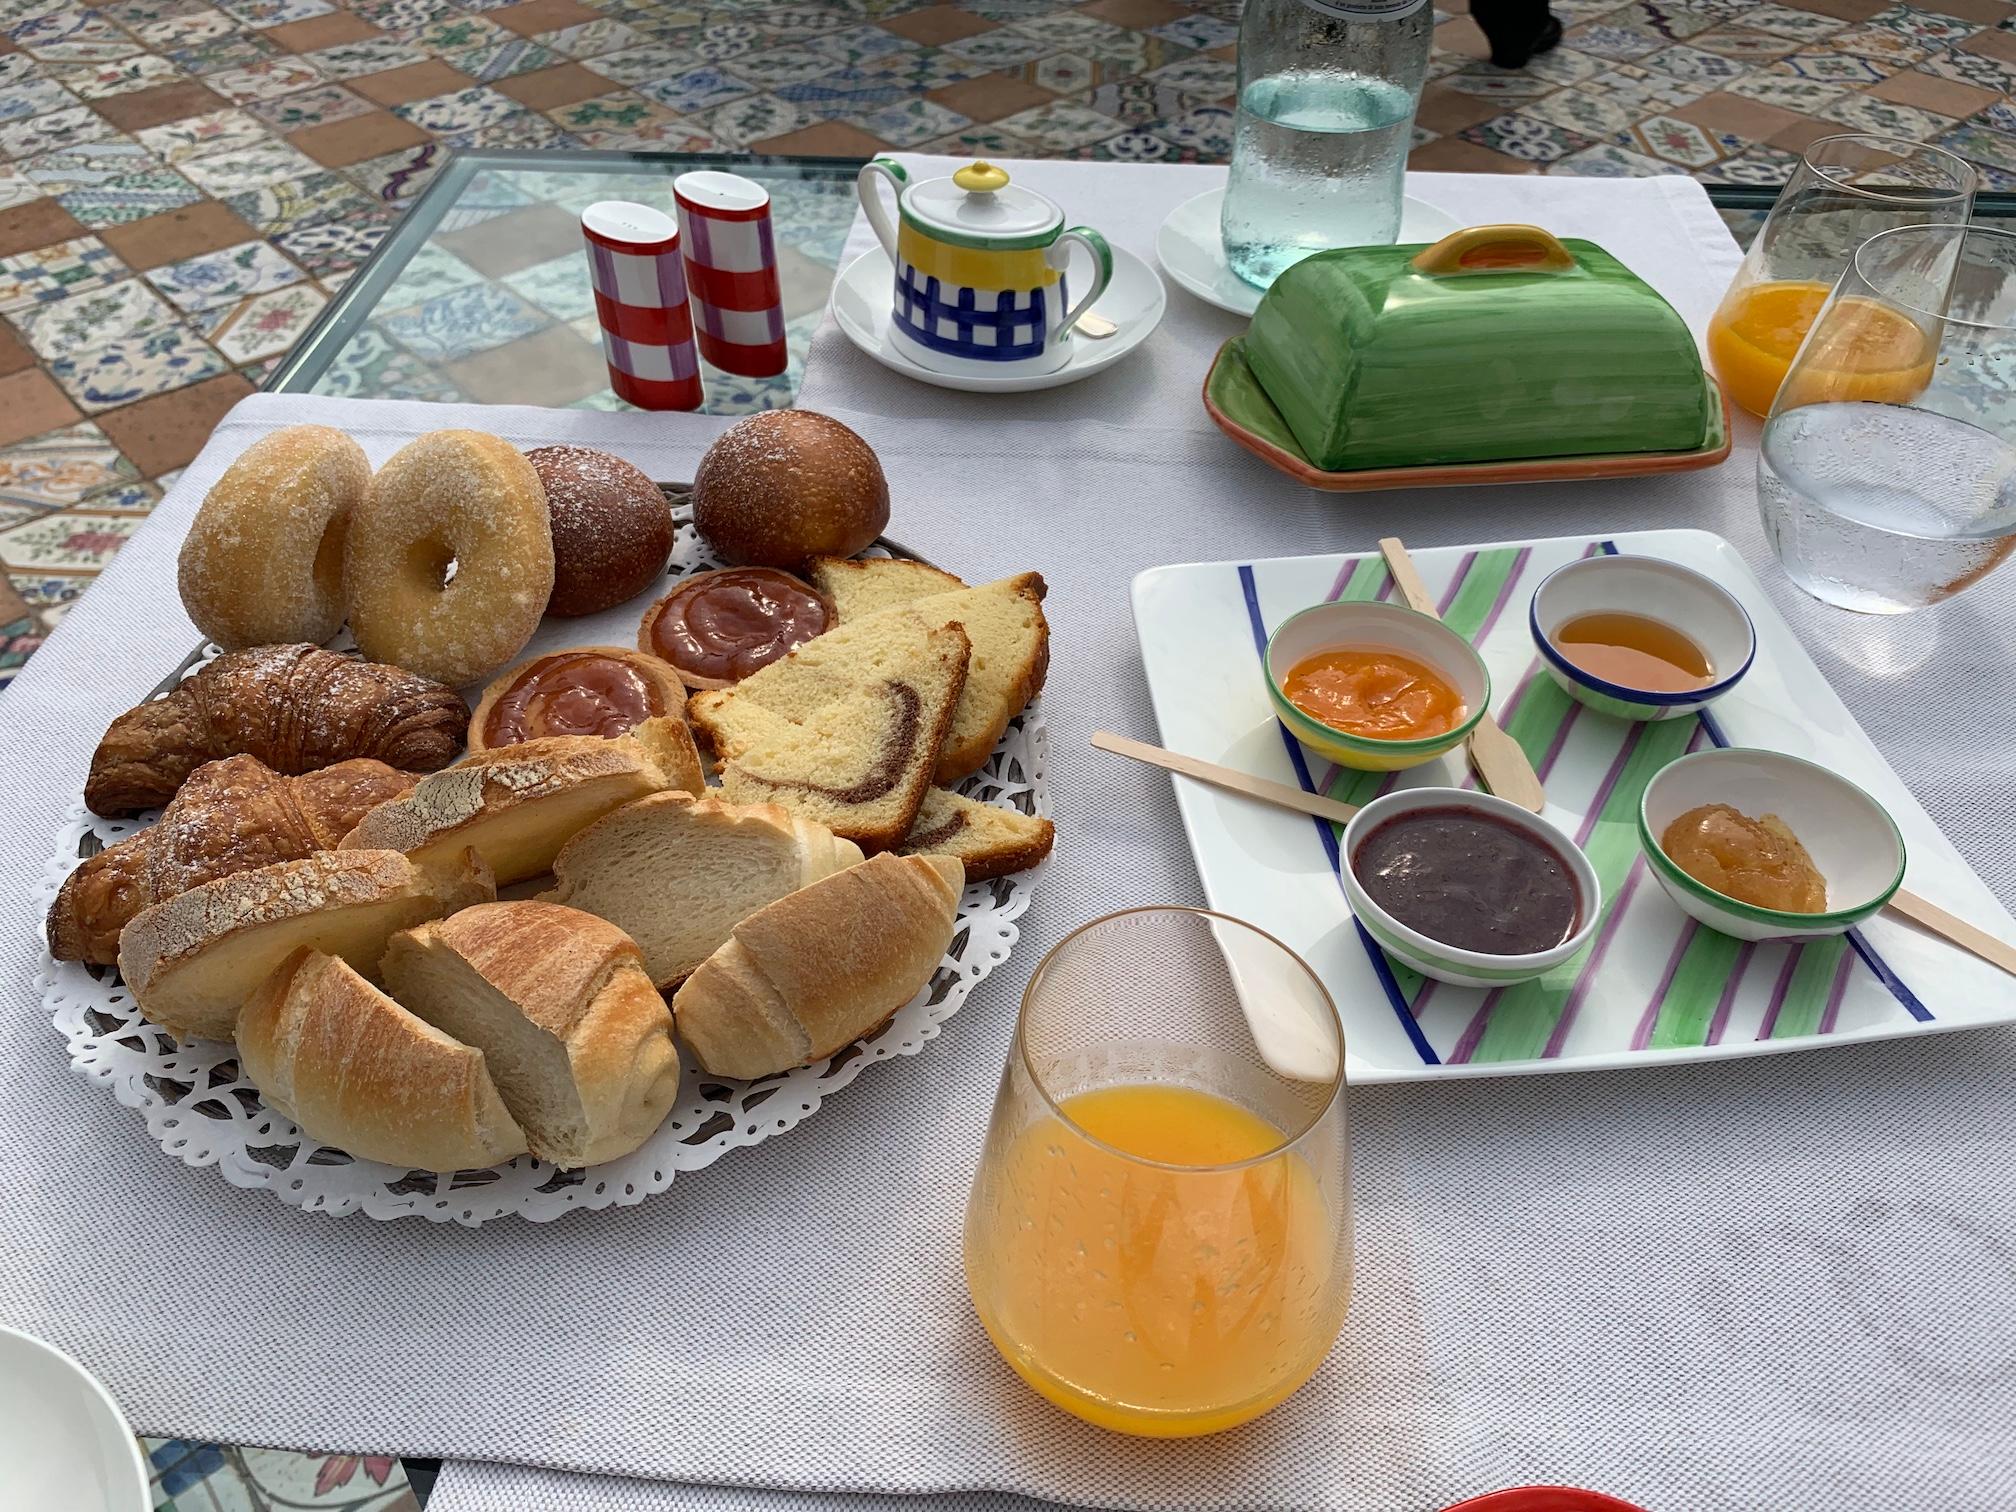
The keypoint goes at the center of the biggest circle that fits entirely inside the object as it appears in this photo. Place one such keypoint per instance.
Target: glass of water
(1887, 477)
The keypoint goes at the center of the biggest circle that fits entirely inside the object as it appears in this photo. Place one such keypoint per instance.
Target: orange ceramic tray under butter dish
(1390, 367)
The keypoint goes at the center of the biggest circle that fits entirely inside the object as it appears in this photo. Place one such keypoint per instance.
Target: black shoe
(1548, 39)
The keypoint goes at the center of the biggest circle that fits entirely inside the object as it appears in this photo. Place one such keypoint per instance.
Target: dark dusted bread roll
(612, 529)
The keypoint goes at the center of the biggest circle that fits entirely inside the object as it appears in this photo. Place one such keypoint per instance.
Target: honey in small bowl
(1634, 651)
(1375, 694)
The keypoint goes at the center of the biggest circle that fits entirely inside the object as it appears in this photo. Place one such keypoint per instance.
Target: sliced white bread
(558, 1001)
(989, 841)
(518, 804)
(1011, 653)
(677, 873)
(822, 967)
(866, 585)
(356, 1070)
(192, 961)
(861, 766)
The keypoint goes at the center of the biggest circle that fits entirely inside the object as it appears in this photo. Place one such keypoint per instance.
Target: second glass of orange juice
(1159, 1233)
(1845, 190)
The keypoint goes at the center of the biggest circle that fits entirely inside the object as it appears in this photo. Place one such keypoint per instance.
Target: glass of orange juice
(1845, 190)
(1159, 1234)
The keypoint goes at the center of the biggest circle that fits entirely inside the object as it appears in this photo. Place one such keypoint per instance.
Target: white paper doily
(203, 1112)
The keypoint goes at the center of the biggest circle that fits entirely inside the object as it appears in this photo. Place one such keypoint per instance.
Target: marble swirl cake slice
(862, 763)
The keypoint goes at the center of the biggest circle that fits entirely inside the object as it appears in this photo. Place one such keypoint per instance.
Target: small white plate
(1193, 253)
(63, 1441)
(1133, 301)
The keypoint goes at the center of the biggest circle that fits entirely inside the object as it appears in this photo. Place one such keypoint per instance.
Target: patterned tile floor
(183, 184)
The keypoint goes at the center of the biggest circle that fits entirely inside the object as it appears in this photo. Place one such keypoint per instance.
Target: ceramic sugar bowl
(981, 279)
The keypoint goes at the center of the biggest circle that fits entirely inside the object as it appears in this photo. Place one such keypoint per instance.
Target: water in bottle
(1327, 92)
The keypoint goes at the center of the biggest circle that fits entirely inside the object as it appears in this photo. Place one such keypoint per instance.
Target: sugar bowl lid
(978, 207)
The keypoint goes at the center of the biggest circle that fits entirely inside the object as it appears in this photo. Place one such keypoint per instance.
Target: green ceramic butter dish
(1495, 347)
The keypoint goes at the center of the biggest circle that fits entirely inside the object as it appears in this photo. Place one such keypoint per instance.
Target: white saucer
(63, 1441)
(1192, 252)
(1133, 301)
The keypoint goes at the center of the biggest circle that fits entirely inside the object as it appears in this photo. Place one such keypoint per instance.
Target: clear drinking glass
(1159, 1234)
(1845, 190)
(1887, 478)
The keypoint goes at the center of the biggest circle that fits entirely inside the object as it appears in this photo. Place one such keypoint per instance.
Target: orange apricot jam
(1755, 861)
(1378, 694)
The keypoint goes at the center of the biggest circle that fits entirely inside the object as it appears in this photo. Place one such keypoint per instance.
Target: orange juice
(1151, 1299)
(1865, 351)
(1754, 336)
(1870, 351)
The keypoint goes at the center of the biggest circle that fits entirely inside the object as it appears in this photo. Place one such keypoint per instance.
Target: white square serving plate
(1653, 987)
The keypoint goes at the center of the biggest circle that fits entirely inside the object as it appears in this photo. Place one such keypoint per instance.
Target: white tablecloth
(1781, 1283)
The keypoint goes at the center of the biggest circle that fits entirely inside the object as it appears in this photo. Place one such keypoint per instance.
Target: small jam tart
(1754, 861)
(584, 690)
(717, 628)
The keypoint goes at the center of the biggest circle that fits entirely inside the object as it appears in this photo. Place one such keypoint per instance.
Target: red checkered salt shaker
(640, 300)
(731, 267)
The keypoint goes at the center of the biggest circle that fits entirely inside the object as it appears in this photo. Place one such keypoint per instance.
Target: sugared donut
(785, 485)
(450, 559)
(612, 529)
(263, 562)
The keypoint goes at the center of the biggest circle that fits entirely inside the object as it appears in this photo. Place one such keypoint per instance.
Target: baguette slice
(518, 804)
(192, 961)
(558, 1001)
(1011, 653)
(866, 585)
(357, 1071)
(679, 873)
(862, 766)
(822, 967)
(990, 841)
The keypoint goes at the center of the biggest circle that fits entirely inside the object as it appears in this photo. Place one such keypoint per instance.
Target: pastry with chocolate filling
(583, 690)
(717, 628)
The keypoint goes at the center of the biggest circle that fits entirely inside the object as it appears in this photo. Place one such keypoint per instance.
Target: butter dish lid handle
(1495, 249)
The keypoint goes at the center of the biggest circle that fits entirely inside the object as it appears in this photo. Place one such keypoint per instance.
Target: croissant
(230, 816)
(296, 708)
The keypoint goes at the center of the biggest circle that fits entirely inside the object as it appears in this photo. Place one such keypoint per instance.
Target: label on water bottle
(1366, 10)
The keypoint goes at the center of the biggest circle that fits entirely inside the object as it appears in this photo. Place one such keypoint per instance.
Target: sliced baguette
(356, 1070)
(989, 841)
(579, 1041)
(866, 585)
(192, 961)
(1011, 653)
(518, 804)
(678, 873)
(861, 766)
(822, 967)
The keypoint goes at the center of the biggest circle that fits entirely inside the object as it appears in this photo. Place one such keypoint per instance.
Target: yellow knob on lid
(980, 178)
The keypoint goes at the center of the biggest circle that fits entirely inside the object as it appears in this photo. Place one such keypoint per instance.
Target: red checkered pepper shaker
(731, 267)
(640, 300)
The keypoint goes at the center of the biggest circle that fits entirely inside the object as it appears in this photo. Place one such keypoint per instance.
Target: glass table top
(480, 292)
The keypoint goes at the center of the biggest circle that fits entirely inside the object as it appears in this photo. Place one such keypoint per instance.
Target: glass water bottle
(1327, 92)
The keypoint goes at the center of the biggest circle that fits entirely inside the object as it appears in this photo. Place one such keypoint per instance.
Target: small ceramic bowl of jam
(1374, 686)
(1467, 888)
(1640, 638)
(1765, 846)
